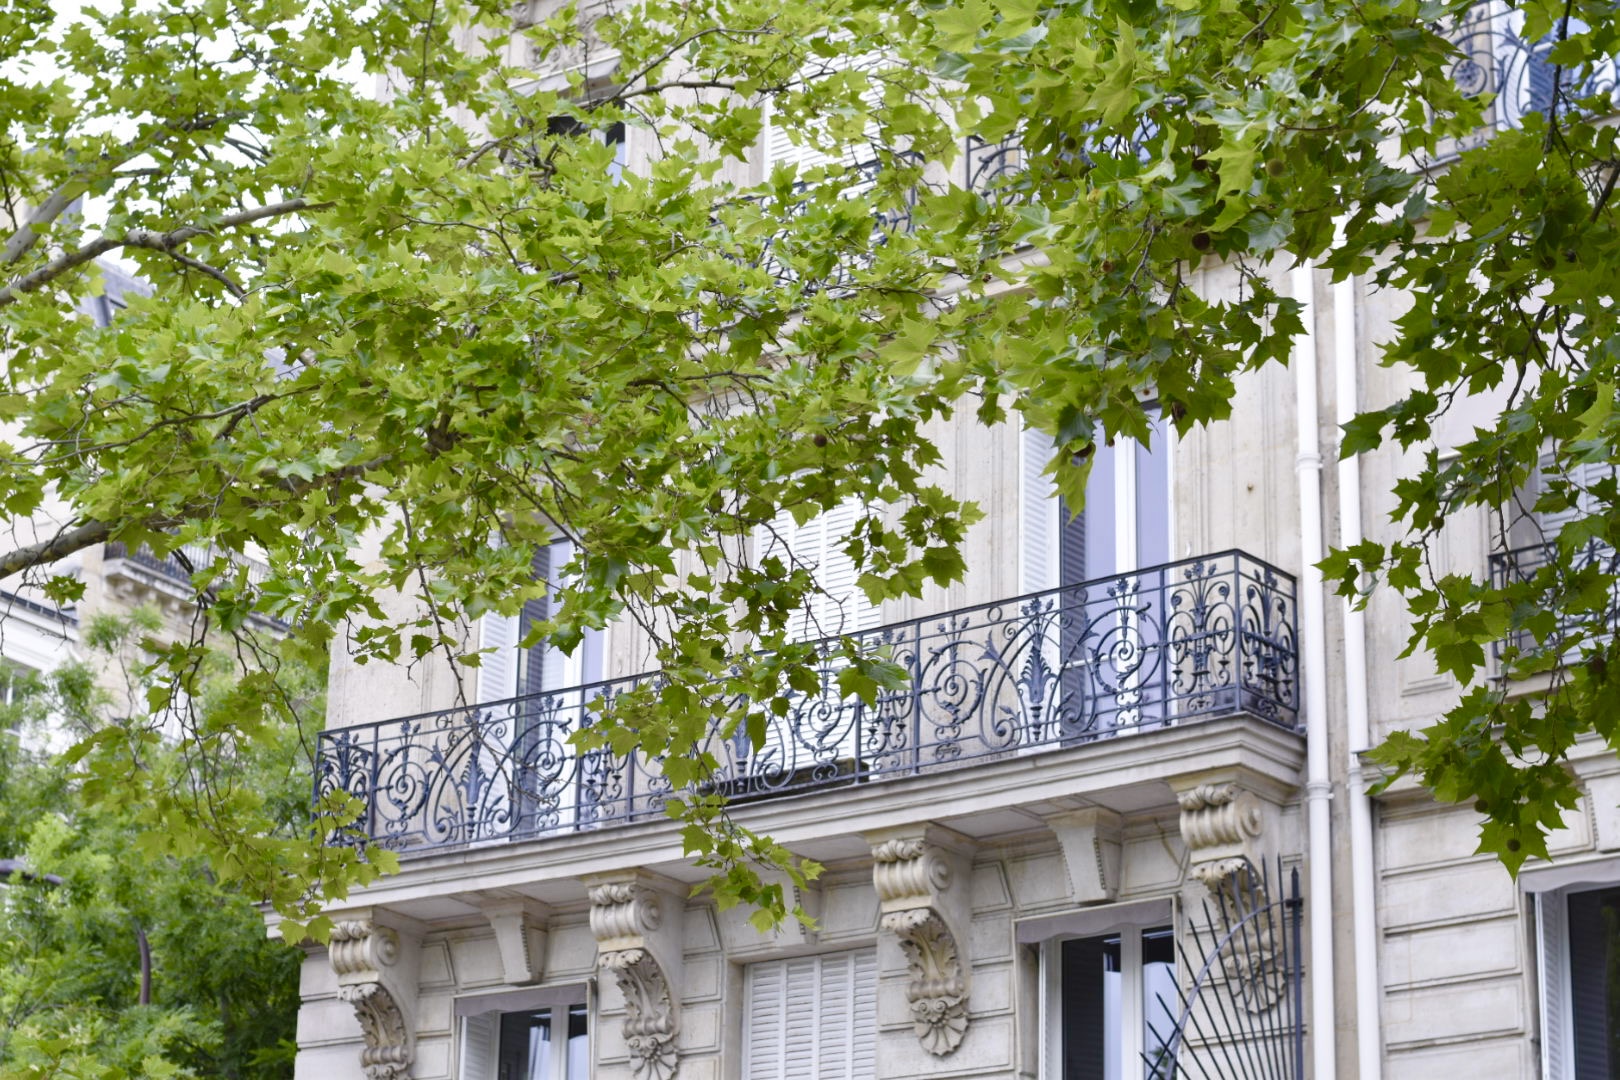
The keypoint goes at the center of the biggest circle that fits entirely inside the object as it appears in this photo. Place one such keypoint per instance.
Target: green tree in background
(396, 344)
(214, 997)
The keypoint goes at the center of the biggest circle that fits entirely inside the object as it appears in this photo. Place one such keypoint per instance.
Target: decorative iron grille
(1522, 564)
(1493, 57)
(1240, 1015)
(1104, 659)
(179, 564)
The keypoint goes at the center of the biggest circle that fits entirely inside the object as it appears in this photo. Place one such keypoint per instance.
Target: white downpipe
(1364, 915)
(1313, 673)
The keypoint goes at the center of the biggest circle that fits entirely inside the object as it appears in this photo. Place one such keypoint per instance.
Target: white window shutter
(480, 1036)
(764, 1020)
(801, 1001)
(811, 1018)
(781, 149)
(863, 1032)
(497, 665)
(1038, 514)
(1553, 945)
(841, 607)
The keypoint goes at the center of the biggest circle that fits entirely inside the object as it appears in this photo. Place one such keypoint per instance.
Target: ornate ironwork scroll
(1239, 1008)
(1159, 647)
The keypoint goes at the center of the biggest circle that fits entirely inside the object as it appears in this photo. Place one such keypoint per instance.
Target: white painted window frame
(1132, 1015)
(474, 1012)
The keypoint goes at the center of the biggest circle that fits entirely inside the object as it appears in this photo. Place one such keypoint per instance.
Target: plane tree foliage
(409, 321)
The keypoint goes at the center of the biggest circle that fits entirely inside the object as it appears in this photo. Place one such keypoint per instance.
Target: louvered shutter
(479, 1038)
(765, 1020)
(1584, 475)
(842, 606)
(811, 1018)
(781, 149)
(1038, 514)
(1553, 946)
(863, 1029)
(498, 664)
(536, 611)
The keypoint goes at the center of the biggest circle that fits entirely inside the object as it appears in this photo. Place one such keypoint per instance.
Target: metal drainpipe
(1313, 673)
(1364, 913)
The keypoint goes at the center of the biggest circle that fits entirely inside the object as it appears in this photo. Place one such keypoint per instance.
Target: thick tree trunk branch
(54, 206)
(91, 533)
(166, 242)
(59, 546)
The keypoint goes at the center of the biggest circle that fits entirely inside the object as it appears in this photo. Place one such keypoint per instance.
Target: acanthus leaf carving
(650, 1019)
(936, 989)
(627, 920)
(913, 879)
(363, 956)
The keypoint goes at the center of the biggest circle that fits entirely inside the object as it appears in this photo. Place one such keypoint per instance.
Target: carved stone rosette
(912, 878)
(365, 956)
(626, 920)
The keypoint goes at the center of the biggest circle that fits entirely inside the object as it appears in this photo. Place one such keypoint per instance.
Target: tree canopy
(440, 320)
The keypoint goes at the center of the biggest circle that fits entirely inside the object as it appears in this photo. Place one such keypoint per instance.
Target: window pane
(1594, 977)
(525, 1052)
(1160, 1002)
(1100, 494)
(1153, 498)
(579, 1046)
(1091, 1009)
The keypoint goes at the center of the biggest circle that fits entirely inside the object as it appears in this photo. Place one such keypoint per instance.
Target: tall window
(1109, 1004)
(811, 1018)
(841, 606)
(547, 1042)
(507, 669)
(1124, 526)
(1580, 982)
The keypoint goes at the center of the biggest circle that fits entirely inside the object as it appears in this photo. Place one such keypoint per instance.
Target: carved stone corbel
(1224, 826)
(520, 937)
(376, 974)
(638, 943)
(1091, 843)
(922, 899)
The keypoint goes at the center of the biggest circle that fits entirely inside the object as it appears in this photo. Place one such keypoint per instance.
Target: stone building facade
(1129, 822)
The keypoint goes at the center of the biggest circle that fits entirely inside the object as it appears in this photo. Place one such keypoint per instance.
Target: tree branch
(165, 242)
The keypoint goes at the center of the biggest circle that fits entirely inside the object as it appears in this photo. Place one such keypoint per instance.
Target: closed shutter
(1052, 541)
(811, 1018)
(536, 611)
(498, 662)
(841, 606)
(780, 149)
(479, 1038)
(1554, 983)
(1038, 514)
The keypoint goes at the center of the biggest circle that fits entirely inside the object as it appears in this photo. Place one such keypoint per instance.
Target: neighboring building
(1124, 737)
(39, 636)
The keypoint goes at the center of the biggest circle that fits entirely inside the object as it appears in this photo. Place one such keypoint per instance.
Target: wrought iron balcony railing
(1494, 58)
(1122, 656)
(179, 564)
(1521, 564)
